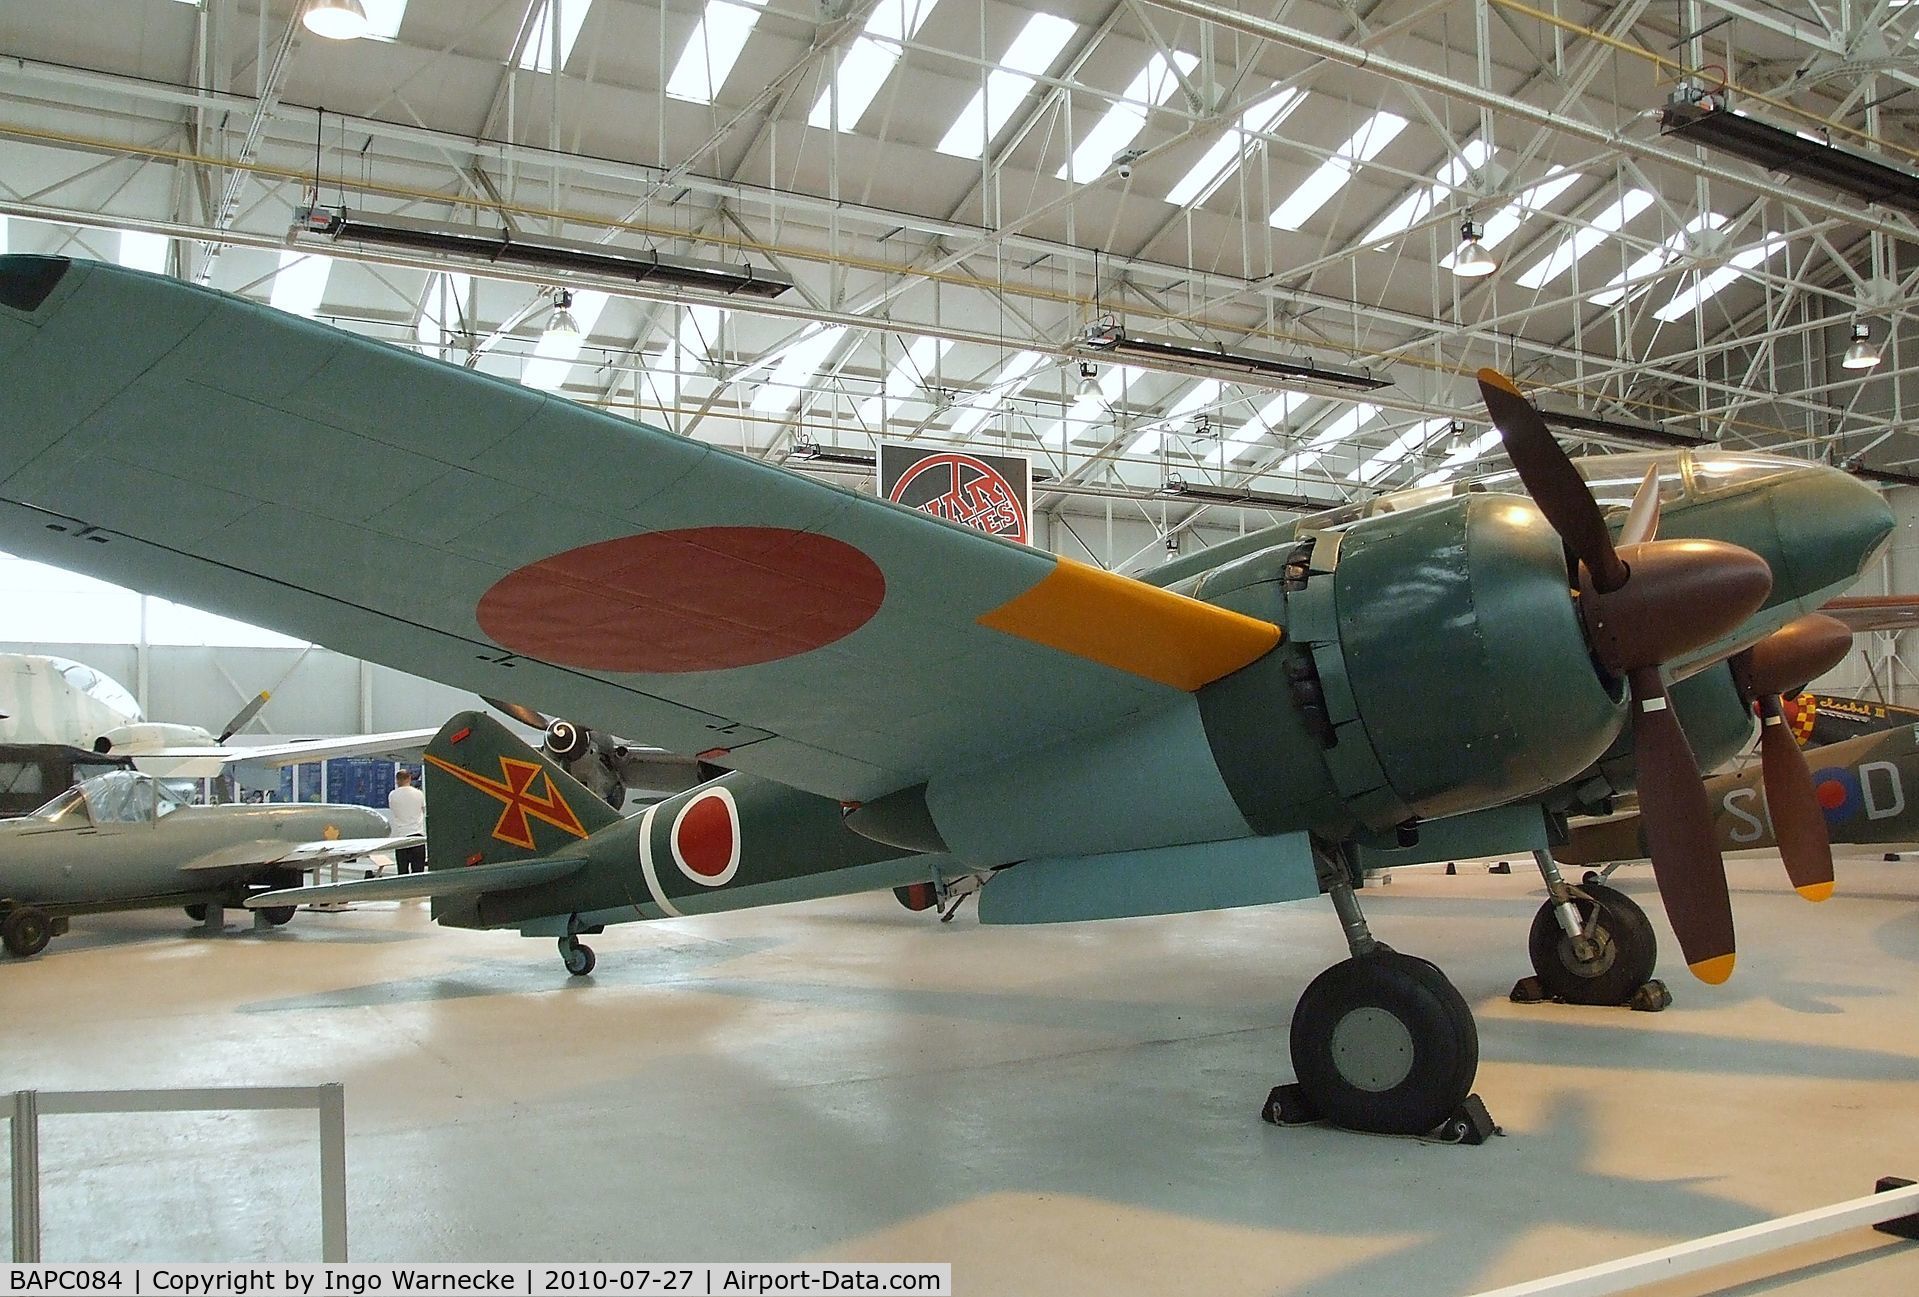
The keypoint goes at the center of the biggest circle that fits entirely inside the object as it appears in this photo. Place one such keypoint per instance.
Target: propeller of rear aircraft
(1799, 651)
(1645, 602)
(244, 717)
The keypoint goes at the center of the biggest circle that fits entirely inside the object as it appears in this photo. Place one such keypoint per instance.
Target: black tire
(279, 915)
(197, 912)
(579, 959)
(1384, 1043)
(26, 931)
(1628, 949)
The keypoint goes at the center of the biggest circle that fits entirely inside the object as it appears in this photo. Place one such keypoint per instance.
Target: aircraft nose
(1831, 526)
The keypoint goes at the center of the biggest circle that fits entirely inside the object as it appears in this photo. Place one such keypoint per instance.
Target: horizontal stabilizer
(307, 855)
(503, 877)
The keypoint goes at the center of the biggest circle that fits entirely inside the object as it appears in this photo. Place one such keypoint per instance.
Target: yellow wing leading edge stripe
(1133, 627)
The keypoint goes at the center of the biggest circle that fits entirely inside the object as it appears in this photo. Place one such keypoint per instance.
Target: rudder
(491, 798)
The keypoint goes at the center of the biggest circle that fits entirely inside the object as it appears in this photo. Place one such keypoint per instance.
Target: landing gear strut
(1382, 1042)
(1590, 945)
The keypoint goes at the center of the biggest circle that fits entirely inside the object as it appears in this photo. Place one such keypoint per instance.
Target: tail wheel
(578, 958)
(1625, 949)
(26, 931)
(1383, 1042)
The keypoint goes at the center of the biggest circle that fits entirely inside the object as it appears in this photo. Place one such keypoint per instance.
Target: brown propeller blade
(520, 712)
(1551, 480)
(1798, 823)
(1642, 520)
(1677, 816)
(1801, 650)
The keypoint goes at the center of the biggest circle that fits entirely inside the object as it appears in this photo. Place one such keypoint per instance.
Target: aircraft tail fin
(492, 799)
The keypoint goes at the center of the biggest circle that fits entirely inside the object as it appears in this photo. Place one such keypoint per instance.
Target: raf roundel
(706, 838)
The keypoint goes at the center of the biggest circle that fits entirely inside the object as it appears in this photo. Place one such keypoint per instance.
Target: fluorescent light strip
(1345, 426)
(554, 354)
(1363, 145)
(144, 251)
(1584, 240)
(1230, 150)
(1011, 377)
(781, 392)
(1688, 300)
(1393, 452)
(909, 374)
(1200, 395)
(1032, 52)
(1506, 221)
(718, 37)
(1449, 468)
(1625, 284)
(300, 282)
(1419, 204)
(867, 65)
(537, 54)
(1122, 123)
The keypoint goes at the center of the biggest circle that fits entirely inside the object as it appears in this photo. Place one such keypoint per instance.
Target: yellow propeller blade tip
(1496, 379)
(1815, 891)
(1713, 971)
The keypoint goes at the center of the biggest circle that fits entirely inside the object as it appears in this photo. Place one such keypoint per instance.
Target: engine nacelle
(1453, 668)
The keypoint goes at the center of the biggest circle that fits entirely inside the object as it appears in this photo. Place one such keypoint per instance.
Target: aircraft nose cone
(1832, 525)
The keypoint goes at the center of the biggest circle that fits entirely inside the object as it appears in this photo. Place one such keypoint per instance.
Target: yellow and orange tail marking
(514, 791)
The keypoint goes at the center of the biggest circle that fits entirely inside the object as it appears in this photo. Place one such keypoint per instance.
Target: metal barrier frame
(29, 1106)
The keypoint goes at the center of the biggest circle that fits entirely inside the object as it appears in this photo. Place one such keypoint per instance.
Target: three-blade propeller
(1645, 602)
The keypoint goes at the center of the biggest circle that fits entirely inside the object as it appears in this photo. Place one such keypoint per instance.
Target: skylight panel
(715, 46)
(1032, 52)
(908, 375)
(537, 54)
(554, 354)
(301, 282)
(1340, 429)
(1122, 122)
(1421, 203)
(383, 18)
(1505, 222)
(867, 65)
(1012, 376)
(443, 309)
(1201, 395)
(1450, 466)
(1625, 283)
(1363, 145)
(1088, 410)
(1390, 455)
(3, 234)
(1272, 415)
(1582, 241)
(1232, 149)
(695, 342)
(1688, 300)
(144, 251)
(802, 360)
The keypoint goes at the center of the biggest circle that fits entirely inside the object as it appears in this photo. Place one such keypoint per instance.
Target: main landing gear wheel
(577, 956)
(197, 912)
(1384, 1043)
(26, 931)
(1621, 949)
(280, 915)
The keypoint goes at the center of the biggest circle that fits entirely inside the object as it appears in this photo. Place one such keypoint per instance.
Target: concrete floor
(1056, 1110)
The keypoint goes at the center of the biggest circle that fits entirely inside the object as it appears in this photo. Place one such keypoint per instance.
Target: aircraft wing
(305, 855)
(189, 762)
(512, 543)
(502, 877)
(1875, 611)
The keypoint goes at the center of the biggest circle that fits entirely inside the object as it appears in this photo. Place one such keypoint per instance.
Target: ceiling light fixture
(1864, 353)
(1088, 379)
(1472, 260)
(1214, 361)
(562, 325)
(337, 20)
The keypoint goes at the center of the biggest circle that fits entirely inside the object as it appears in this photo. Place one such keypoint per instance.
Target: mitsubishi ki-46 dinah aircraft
(902, 700)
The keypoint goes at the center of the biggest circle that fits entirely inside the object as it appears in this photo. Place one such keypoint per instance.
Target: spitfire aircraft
(1438, 673)
(125, 841)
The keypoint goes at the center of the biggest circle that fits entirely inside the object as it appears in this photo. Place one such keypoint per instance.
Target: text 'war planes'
(1424, 676)
(125, 841)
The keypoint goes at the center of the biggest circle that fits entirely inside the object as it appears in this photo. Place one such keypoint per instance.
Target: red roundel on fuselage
(706, 838)
(692, 599)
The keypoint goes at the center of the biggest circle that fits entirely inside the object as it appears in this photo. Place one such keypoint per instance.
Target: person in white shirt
(406, 814)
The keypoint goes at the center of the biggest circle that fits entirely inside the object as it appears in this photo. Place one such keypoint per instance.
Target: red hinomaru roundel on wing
(706, 838)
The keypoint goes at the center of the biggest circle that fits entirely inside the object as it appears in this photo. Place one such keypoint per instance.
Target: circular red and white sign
(706, 838)
(962, 489)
